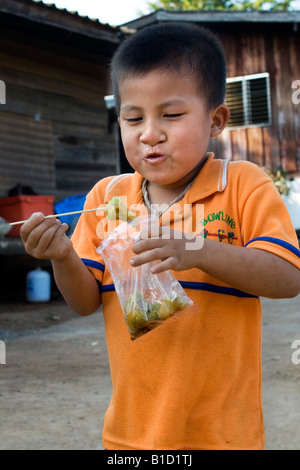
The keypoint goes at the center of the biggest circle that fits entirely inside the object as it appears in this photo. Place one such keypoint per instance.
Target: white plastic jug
(38, 286)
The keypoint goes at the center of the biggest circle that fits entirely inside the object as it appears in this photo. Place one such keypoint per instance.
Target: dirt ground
(55, 385)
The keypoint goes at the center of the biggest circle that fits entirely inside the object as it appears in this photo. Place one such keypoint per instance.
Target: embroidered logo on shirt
(219, 216)
(221, 235)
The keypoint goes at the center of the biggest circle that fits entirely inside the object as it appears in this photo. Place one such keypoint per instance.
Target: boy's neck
(159, 194)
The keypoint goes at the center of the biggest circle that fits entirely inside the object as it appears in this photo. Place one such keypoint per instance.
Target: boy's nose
(152, 135)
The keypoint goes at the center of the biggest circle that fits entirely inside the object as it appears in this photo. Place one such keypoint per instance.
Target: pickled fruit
(141, 315)
(115, 210)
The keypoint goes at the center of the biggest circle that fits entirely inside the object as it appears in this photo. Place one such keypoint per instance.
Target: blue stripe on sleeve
(93, 264)
(108, 288)
(277, 241)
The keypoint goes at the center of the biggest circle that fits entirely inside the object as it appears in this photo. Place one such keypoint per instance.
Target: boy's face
(165, 126)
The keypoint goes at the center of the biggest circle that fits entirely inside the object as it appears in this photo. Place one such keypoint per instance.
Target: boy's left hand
(175, 250)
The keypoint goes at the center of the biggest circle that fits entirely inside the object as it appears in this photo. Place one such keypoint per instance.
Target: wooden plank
(251, 65)
(272, 147)
(238, 58)
(256, 49)
(213, 146)
(255, 145)
(26, 157)
(268, 157)
(230, 145)
(239, 144)
(81, 154)
(51, 62)
(224, 145)
(72, 179)
(295, 76)
(81, 130)
(233, 62)
(78, 154)
(284, 103)
(247, 53)
(84, 91)
(53, 107)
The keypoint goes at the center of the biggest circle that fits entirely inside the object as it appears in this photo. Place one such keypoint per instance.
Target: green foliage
(249, 5)
(280, 179)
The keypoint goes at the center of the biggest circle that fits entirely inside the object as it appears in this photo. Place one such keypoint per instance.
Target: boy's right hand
(45, 238)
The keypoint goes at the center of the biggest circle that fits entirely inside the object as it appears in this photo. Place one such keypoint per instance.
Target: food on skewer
(115, 209)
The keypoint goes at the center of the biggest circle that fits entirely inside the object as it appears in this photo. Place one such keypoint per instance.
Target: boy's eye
(173, 115)
(135, 119)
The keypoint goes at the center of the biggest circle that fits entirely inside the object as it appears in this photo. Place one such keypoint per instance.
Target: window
(248, 99)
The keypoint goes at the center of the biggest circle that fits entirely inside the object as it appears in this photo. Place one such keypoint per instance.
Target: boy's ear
(220, 116)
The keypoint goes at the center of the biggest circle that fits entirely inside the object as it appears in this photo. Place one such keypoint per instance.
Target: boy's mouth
(154, 157)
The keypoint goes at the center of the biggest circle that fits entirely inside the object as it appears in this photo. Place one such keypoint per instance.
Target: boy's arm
(46, 239)
(77, 284)
(250, 270)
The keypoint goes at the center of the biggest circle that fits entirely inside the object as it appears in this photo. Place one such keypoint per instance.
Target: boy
(194, 383)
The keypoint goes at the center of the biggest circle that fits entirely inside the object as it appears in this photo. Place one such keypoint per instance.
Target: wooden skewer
(61, 215)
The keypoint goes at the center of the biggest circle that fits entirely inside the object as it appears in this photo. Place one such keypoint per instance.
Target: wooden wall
(26, 155)
(59, 93)
(271, 48)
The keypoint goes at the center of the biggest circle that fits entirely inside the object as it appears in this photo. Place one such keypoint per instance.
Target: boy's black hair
(185, 47)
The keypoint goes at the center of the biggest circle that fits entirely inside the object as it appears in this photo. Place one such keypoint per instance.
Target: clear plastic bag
(146, 299)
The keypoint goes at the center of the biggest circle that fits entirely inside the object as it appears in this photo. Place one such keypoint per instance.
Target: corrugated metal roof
(69, 12)
(40, 13)
(216, 16)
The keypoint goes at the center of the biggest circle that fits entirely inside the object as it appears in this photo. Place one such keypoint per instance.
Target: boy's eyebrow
(174, 102)
(130, 107)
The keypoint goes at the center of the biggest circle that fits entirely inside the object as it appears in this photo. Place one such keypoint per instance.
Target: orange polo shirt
(193, 383)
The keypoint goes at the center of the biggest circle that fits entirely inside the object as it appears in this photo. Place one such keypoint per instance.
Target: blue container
(70, 204)
(38, 286)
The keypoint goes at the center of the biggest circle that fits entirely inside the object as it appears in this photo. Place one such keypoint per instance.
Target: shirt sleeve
(266, 223)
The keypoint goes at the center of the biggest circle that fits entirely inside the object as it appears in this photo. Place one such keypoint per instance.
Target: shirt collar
(212, 178)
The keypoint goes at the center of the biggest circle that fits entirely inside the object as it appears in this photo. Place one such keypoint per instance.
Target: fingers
(156, 236)
(169, 263)
(152, 236)
(164, 262)
(146, 244)
(147, 256)
(164, 245)
(152, 245)
(39, 233)
(31, 223)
